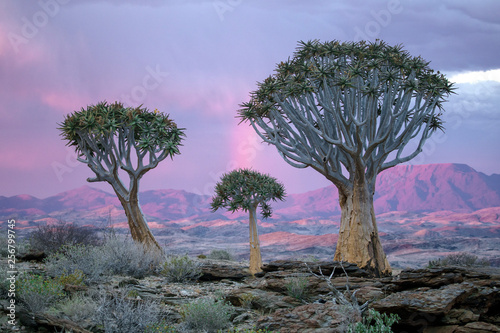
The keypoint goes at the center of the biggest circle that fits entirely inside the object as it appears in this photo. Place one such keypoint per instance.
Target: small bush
(127, 257)
(118, 315)
(50, 238)
(4, 283)
(87, 259)
(77, 308)
(76, 278)
(37, 293)
(220, 255)
(459, 259)
(247, 300)
(119, 257)
(181, 269)
(297, 287)
(375, 322)
(207, 314)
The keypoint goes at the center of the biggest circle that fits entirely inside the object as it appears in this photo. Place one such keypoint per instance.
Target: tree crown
(347, 106)
(151, 131)
(346, 65)
(246, 189)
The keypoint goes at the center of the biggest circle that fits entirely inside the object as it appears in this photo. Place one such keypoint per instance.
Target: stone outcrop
(444, 300)
(309, 318)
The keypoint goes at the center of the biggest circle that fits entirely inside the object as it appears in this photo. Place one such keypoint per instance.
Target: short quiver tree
(247, 189)
(349, 111)
(111, 137)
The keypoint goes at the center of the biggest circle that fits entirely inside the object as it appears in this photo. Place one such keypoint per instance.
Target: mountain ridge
(416, 188)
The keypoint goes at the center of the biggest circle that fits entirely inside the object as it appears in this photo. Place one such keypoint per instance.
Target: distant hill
(413, 188)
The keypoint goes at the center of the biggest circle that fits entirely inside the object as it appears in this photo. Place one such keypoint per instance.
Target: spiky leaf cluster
(372, 69)
(111, 136)
(149, 131)
(246, 189)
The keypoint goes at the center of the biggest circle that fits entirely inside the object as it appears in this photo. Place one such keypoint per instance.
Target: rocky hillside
(449, 299)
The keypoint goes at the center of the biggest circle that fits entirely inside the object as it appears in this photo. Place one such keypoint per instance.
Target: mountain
(413, 188)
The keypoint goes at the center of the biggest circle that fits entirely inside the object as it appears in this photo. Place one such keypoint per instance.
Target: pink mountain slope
(419, 188)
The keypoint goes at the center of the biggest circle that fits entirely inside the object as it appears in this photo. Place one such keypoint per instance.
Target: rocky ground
(440, 300)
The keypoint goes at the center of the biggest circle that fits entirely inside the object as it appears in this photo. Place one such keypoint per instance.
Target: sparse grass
(181, 269)
(207, 314)
(220, 255)
(297, 287)
(462, 259)
(77, 308)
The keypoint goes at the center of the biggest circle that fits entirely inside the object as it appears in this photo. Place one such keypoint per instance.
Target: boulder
(478, 327)
(260, 300)
(431, 303)
(215, 271)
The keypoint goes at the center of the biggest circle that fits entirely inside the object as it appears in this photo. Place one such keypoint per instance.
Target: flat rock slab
(432, 302)
(316, 317)
(326, 267)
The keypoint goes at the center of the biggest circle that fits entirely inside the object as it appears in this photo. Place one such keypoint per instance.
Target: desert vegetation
(92, 287)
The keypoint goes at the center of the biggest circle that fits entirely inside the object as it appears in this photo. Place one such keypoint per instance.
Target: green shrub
(297, 287)
(77, 308)
(459, 259)
(207, 314)
(247, 300)
(181, 269)
(37, 293)
(76, 278)
(374, 322)
(220, 255)
(4, 283)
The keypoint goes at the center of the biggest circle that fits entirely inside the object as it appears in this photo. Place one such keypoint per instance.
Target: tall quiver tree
(349, 111)
(247, 189)
(110, 137)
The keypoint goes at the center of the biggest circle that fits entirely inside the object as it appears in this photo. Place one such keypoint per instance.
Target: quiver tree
(349, 111)
(109, 138)
(247, 189)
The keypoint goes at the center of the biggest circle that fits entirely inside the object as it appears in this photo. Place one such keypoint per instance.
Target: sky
(199, 60)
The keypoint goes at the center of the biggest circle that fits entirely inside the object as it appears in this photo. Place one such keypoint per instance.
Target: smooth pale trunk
(359, 241)
(255, 257)
(139, 228)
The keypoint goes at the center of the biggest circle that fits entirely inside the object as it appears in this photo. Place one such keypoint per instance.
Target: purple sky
(198, 60)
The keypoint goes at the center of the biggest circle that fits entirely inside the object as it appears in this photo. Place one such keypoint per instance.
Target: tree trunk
(255, 257)
(139, 228)
(358, 241)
